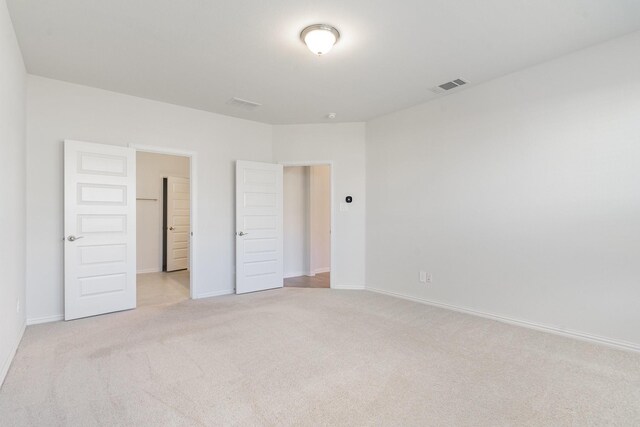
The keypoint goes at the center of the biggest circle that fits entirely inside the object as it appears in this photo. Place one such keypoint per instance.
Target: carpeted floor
(312, 357)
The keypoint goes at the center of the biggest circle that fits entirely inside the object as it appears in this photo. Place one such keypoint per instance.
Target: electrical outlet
(425, 277)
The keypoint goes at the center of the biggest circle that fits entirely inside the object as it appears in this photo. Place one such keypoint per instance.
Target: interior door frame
(333, 240)
(193, 200)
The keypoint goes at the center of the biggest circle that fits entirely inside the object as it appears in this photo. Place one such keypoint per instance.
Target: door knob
(171, 228)
(242, 233)
(73, 238)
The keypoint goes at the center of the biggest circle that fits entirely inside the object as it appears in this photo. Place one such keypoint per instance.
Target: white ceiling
(201, 53)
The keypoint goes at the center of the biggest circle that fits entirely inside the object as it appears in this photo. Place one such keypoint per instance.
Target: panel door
(259, 228)
(178, 223)
(100, 229)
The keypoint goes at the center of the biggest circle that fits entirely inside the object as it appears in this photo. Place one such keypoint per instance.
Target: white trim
(296, 274)
(149, 270)
(307, 273)
(620, 344)
(6, 364)
(193, 208)
(333, 225)
(45, 319)
(349, 287)
(215, 294)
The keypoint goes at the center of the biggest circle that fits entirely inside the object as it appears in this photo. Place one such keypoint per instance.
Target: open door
(100, 229)
(178, 223)
(259, 229)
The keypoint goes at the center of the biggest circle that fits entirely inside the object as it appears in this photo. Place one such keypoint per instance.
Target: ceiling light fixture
(320, 38)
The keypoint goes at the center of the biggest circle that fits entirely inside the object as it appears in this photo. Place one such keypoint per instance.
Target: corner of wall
(6, 364)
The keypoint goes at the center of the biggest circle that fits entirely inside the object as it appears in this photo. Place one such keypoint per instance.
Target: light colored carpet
(320, 280)
(312, 357)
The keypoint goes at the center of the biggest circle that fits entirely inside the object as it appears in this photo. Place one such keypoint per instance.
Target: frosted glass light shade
(320, 38)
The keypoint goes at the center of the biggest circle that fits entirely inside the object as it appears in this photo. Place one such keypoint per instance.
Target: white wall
(319, 219)
(58, 110)
(296, 221)
(521, 196)
(343, 145)
(12, 192)
(151, 168)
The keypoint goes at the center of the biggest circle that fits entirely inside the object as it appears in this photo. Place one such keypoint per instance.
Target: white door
(178, 223)
(100, 229)
(259, 255)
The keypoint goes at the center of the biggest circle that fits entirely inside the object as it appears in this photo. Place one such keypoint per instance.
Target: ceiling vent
(445, 87)
(244, 104)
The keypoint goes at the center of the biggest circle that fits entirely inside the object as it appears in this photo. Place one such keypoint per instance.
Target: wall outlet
(425, 277)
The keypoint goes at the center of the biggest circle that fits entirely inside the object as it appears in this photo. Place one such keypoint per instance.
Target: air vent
(445, 87)
(244, 104)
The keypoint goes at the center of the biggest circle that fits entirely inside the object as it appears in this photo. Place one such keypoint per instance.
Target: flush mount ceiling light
(320, 38)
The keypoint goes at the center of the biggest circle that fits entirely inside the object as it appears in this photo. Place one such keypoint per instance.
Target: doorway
(106, 215)
(307, 226)
(163, 234)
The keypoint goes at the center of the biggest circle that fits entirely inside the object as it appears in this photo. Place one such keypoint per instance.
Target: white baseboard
(215, 294)
(149, 270)
(348, 287)
(45, 319)
(625, 345)
(307, 273)
(6, 364)
(296, 274)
